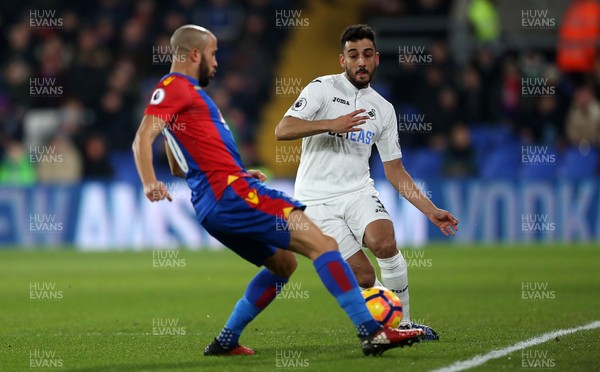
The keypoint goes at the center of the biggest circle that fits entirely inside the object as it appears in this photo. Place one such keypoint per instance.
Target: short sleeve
(388, 144)
(170, 98)
(310, 101)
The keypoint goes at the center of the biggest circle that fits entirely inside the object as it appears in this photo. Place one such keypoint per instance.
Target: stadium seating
(486, 137)
(541, 170)
(538, 172)
(501, 162)
(423, 162)
(577, 166)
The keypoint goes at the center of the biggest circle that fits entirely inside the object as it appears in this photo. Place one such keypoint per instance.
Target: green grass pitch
(116, 312)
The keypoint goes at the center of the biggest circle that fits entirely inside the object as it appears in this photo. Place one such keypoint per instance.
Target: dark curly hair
(357, 32)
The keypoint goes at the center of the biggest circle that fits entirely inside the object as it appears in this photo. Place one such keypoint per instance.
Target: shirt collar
(189, 78)
(351, 86)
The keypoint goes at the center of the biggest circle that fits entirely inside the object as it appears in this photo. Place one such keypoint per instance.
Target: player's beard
(204, 75)
(360, 84)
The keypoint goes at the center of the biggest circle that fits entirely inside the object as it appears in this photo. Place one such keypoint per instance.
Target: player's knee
(288, 268)
(285, 267)
(384, 247)
(329, 243)
(324, 244)
(365, 277)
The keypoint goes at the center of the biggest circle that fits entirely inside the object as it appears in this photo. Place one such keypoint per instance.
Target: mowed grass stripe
(470, 295)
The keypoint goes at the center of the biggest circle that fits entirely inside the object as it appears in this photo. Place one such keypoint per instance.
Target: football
(384, 305)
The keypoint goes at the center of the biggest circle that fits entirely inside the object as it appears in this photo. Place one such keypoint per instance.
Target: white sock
(377, 283)
(394, 275)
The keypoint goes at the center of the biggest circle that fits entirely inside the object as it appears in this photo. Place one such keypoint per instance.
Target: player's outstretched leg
(379, 237)
(336, 275)
(261, 291)
(363, 270)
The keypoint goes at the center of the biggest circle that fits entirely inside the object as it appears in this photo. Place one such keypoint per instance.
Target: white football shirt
(335, 164)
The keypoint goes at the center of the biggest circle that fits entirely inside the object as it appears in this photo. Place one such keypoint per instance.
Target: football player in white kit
(339, 118)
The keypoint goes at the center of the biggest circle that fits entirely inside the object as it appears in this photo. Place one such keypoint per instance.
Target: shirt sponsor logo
(364, 136)
(341, 100)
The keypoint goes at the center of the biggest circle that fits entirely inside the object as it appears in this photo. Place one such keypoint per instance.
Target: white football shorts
(346, 218)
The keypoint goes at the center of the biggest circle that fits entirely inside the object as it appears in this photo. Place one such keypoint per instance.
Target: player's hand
(446, 222)
(349, 122)
(156, 191)
(255, 173)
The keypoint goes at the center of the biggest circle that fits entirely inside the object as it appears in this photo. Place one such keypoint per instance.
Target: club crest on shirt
(371, 114)
(299, 104)
(157, 97)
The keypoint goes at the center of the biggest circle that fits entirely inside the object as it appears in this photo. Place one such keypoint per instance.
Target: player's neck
(183, 69)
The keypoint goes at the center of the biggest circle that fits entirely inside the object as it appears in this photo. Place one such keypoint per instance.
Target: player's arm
(291, 128)
(298, 121)
(147, 132)
(403, 182)
(173, 166)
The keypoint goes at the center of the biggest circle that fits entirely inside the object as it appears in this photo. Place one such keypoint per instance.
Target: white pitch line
(499, 353)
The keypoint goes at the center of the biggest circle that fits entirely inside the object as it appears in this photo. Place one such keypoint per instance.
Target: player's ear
(342, 60)
(195, 55)
(376, 58)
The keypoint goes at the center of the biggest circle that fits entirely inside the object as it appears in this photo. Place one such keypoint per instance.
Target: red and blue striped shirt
(199, 138)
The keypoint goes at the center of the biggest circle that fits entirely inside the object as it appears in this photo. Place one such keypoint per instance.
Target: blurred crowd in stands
(501, 104)
(106, 57)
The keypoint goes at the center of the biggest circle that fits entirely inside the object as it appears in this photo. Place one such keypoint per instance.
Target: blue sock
(341, 283)
(260, 292)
